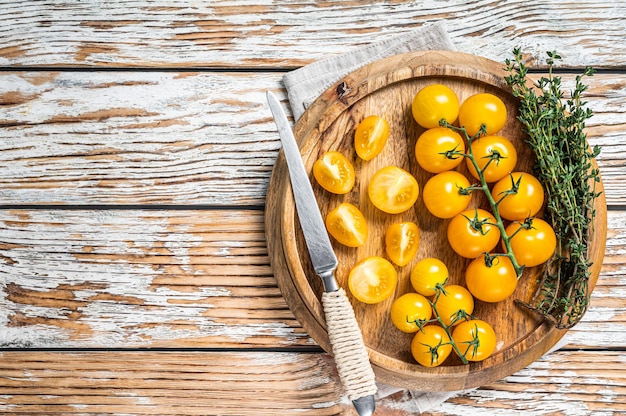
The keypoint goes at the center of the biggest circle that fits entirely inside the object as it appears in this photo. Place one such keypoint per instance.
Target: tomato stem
(484, 187)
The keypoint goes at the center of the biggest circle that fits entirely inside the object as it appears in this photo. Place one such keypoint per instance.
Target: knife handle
(353, 365)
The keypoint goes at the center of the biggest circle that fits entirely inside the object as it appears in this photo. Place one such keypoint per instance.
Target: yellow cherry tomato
(347, 225)
(431, 346)
(433, 103)
(410, 311)
(370, 137)
(533, 242)
(453, 304)
(473, 232)
(475, 338)
(483, 108)
(402, 241)
(439, 149)
(495, 156)
(393, 190)
(334, 172)
(446, 194)
(491, 279)
(372, 280)
(520, 196)
(427, 274)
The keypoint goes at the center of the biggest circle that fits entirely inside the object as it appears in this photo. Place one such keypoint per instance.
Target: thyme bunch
(555, 125)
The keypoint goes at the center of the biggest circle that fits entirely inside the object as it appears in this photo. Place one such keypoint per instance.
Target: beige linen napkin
(305, 84)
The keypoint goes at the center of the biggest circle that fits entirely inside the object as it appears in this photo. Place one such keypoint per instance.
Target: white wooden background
(135, 152)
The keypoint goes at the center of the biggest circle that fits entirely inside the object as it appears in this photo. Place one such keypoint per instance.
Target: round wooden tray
(386, 88)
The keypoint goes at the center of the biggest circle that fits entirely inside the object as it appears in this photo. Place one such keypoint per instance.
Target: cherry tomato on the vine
(453, 303)
(370, 137)
(433, 103)
(495, 156)
(334, 172)
(439, 149)
(402, 241)
(347, 225)
(431, 346)
(491, 278)
(520, 196)
(427, 274)
(409, 311)
(483, 108)
(446, 194)
(393, 190)
(475, 338)
(533, 241)
(473, 232)
(372, 280)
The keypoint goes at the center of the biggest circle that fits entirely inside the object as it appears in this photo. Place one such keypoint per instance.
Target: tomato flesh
(402, 242)
(334, 173)
(372, 280)
(393, 190)
(347, 225)
(370, 137)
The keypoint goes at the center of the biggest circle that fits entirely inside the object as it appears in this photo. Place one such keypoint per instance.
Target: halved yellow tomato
(334, 172)
(402, 240)
(370, 137)
(372, 280)
(347, 225)
(393, 190)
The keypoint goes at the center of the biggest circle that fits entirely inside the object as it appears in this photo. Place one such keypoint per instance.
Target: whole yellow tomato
(482, 108)
(410, 311)
(431, 346)
(475, 338)
(439, 149)
(434, 103)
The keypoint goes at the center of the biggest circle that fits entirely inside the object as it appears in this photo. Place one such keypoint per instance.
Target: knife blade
(346, 339)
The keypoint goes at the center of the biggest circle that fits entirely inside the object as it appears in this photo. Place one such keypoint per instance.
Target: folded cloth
(305, 84)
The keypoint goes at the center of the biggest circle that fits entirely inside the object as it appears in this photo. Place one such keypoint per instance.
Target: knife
(346, 339)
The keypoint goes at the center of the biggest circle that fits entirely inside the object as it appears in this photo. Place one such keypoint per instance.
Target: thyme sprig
(555, 125)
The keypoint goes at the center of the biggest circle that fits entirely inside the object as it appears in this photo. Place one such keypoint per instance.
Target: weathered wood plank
(140, 278)
(163, 33)
(130, 278)
(181, 138)
(568, 382)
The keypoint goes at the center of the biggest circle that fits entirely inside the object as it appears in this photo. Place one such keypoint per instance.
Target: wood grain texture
(575, 383)
(182, 138)
(140, 278)
(126, 278)
(162, 33)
